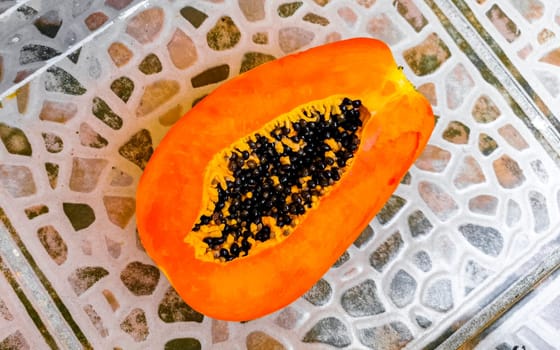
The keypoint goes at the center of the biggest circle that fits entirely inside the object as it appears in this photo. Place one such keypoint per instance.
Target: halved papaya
(259, 188)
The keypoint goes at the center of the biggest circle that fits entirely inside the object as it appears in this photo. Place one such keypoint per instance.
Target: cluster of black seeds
(281, 181)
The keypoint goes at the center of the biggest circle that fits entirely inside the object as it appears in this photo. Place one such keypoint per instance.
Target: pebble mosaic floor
(89, 88)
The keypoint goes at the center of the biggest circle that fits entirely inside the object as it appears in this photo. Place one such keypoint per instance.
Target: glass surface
(89, 88)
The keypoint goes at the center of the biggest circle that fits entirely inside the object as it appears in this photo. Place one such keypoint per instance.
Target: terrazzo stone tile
(96, 320)
(362, 300)
(52, 173)
(348, 16)
(81, 215)
(260, 38)
(438, 295)
(15, 341)
(59, 80)
(211, 75)
(386, 251)
(22, 98)
(319, 294)
(321, 2)
(119, 209)
(456, 132)
(390, 209)
(429, 91)
(114, 248)
(513, 137)
(382, 27)
(366, 3)
(35, 53)
(485, 110)
(484, 204)
(224, 35)
(486, 239)
(508, 172)
(193, 16)
(289, 8)
(458, 84)
(91, 138)
(155, 94)
(183, 344)
(365, 237)
(170, 116)
(94, 69)
(486, 144)
(118, 4)
(540, 170)
(173, 309)
(220, 331)
(423, 322)
(49, 23)
(84, 278)
(111, 299)
(120, 178)
(120, 54)
(545, 35)
(525, 51)
(136, 325)
(85, 173)
(139, 278)
(146, 26)
(258, 340)
(394, 335)
(5, 311)
(138, 149)
(53, 142)
(251, 60)
(551, 57)
(316, 19)
(475, 275)
(513, 213)
(123, 88)
(428, 56)
(288, 318)
(253, 10)
(419, 224)
(17, 180)
(438, 200)
(292, 39)
(103, 112)
(550, 81)
(53, 243)
(15, 140)
(329, 330)
(423, 261)
(433, 159)
(532, 10)
(539, 209)
(468, 173)
(95, 20)
(150, 64)
(503, 23)
(402, 288)
(182, 50)
(36, 210)
(341, 260)
(411, 13)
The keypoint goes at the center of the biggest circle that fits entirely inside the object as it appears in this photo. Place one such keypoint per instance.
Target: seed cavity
(262, 186)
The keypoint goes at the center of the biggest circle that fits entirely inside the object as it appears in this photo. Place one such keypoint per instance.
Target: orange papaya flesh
(186, 194)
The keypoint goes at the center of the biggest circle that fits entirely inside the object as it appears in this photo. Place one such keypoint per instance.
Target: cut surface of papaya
(254, 193)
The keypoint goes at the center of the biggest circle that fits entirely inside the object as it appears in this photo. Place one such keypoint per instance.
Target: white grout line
(538, 120)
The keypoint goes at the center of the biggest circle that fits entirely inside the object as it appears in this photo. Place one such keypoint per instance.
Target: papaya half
(254, 193)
